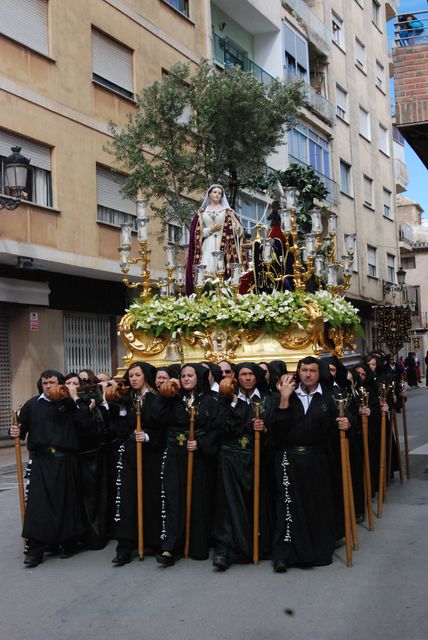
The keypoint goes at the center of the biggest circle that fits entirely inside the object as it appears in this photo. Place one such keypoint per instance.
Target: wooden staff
(382, 487)
(192, 412)
(397, 441)
(256, 489)
(367, 476)
(406, 439)
(355, 541)
(18, 457)
(139, 484)
(344, 455)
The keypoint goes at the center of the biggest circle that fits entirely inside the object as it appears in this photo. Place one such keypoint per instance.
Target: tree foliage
(192, 130)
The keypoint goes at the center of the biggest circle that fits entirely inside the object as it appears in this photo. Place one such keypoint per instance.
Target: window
(341, 103)
(364, 123)
(408, 262)
(345, 178)
(112, 64)
(371, 261)
(383, 140)
(306, 146)
(181, 5)
(390, 267)
(39, 181)
(87, 342)
(368, 191)
(380, 76)
(360, 55)
(112, 207)
(251, 211)
(376, 13)
(337, 29)
(26, 21)
(387, 204)
(178, 234)
(296, 53)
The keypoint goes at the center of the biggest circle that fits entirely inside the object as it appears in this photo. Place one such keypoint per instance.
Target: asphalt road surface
(383, 596)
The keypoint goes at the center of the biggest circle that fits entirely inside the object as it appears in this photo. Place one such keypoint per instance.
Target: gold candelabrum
(166, 286)
(313, 255)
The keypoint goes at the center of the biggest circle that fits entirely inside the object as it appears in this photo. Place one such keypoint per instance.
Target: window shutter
(112, 61)
(108, 192)
(40, 155)
(27, 22)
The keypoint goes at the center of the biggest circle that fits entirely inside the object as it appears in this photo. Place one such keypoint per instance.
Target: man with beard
(53, 512)
(302, 425)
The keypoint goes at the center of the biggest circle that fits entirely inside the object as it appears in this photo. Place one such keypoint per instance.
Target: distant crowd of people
(81, 432)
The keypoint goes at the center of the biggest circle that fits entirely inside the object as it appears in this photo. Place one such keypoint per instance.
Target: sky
(418, 174)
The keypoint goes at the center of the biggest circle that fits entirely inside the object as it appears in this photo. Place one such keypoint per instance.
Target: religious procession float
(279, 296)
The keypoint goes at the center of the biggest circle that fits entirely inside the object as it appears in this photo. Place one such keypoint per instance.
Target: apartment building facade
(68, 69)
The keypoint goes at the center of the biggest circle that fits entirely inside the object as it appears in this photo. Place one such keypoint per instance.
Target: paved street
(383, 596)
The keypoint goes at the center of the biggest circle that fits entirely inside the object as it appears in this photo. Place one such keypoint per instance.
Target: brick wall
(411, 84)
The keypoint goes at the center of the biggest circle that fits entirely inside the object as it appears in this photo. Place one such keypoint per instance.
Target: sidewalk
(7, 454)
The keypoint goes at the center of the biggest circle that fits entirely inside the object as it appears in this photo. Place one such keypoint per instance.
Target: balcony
(316, 102)
(226, 55)
(401, 176)
(391, 7)
(318, 34)
(410, 57)
(332, 187)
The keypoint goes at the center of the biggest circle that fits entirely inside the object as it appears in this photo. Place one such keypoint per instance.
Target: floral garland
(274, 312)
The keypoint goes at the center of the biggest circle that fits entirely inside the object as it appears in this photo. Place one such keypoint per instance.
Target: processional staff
(351, 536)
(192, 413)
(140, 515)
(405, 434)
(18, 457)
(394, 427)
(256, 487)
(382, 462)
(364, 395)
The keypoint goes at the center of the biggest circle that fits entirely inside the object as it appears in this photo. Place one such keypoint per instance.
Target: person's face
(188, 378)
(103, 377)
(246, 379)
(361, 373)
(83, 376)
(216, 195)
(48, 383)
(266, 370)
(333, 370)
(72, 382)
(372, 364)
(161, 378)
(226, 370)
(136, 378)
(309, 376)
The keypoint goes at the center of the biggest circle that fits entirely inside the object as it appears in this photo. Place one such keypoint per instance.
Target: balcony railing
(316, 102)
(411, 32)
(318, 33)
(227, 55)
(333, 196)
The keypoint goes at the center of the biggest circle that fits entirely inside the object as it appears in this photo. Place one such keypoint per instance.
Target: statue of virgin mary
(215, 227)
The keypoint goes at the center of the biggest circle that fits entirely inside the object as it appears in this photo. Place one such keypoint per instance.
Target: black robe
(53, 513)
(233, 532)
(306, 525)
(175, 417)
(125, 528)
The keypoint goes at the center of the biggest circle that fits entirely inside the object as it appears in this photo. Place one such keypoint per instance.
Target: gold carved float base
(237, 345)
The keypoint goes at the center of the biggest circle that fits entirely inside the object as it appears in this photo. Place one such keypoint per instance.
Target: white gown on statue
(211, 242)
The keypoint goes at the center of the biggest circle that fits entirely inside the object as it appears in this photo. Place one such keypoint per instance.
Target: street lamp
(389, 287)
(16, 167)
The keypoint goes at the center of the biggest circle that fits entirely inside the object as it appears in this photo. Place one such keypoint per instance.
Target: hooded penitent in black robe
(174, 415)
(233, 532)
(125, 527)
(306, 524)
(94, 467)
(53, 512)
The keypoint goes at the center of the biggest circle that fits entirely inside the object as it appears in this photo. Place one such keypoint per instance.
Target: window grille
(5, 375)
(87, 342)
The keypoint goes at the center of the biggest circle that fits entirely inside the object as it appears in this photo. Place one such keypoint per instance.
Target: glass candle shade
(219, 261)
(290, 197)
(310, 245)
(169, 255)
(332, 223)
(141, 209)
(124, 258)
(179, 274)
(267, 246)
(348, 264)
(126, 234)
(199, 274)
(350, 243)
(319, 266)
(236, 272)
(285, 215)
(316, 220)
(142, 229)
(332, 275)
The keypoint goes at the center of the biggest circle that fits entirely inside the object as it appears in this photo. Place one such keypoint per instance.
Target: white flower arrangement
(272, 312)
